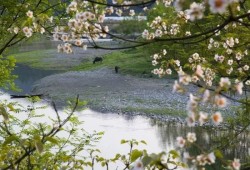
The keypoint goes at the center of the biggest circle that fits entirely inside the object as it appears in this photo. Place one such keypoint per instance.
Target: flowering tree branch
(124, 5)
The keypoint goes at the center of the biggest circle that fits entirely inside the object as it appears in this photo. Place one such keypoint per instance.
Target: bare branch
(124, 5)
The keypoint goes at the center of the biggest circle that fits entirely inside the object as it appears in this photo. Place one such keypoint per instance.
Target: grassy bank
(37, 59)
(133, 62)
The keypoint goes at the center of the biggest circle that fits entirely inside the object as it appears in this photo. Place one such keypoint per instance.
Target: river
(159, 136)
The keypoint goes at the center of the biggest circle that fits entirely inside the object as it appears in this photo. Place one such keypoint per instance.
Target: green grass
(133, 62)
(34, 58)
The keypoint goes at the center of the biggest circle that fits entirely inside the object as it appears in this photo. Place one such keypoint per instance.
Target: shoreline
(110, 92)
(107, 92)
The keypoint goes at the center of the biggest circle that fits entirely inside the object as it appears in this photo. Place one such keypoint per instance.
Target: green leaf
(10, 139)
(174, 154)
(39, 146)
(100, 159)
(182, 165)
(123, 157)
(100, 133)
(218, 154)
(103, 164)
(37, 138)
(117, 156)
(144, 142)
(98, 150)
(89, 164)
(10, 106)
(135, 154)
(4, 114)
(172, 162)
(123, 141)
(146, 160)
(52, 140)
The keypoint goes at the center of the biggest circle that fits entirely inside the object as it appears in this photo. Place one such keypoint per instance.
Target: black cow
(97, 59)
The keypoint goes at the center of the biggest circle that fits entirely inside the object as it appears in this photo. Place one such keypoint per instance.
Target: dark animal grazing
(97, 59)
(116, 69)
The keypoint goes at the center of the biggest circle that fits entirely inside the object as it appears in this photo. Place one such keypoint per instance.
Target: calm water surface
(27, 76)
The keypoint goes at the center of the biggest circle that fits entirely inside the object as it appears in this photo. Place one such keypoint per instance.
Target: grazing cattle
(97, 59)
(116, 69)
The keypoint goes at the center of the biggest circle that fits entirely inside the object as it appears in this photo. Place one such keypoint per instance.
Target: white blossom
(230, 62)
(191, 137)
(203, 117)
(138, 165)
(247, 82)
(238, 87)
(236, 164)
(195, 12)
(29, 14)
(246, 67)
(217, 118)
(131, 12)
(169, 71)
(218, 6)
(230, 42)
(180, 141)
(16, 30)
(224, 82)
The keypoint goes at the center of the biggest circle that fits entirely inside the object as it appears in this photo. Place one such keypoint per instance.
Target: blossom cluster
(235, 61)
(200, 160)
(223, 58)
(213, 98)
(161, 29)
(223, 68)
(84, 23)
(31, 27)
(204, 158)
(87, 21)
(196, 10)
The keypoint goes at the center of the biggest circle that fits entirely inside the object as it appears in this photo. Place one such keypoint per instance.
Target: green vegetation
(42, 59)
(134, 62)
(6, 68)
(130, 27)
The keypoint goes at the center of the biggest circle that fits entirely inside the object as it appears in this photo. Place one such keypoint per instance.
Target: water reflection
(208, 138)
(27, 77)
(159, 136)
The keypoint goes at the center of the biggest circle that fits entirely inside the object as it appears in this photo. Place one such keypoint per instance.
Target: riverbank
(106, 91)
(50, 59)
(132, 91)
